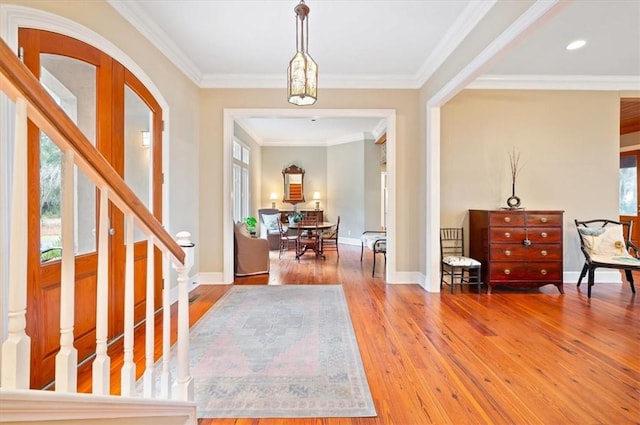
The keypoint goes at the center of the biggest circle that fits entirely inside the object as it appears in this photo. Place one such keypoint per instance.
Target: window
(241, 156)
(628, 185)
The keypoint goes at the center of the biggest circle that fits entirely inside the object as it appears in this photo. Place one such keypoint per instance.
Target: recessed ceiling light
(575, 45)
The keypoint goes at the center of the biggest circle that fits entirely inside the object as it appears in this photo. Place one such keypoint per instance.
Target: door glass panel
(628, 185)
(72, 84)
(138, 141)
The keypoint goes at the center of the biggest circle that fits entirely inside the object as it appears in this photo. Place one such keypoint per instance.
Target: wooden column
(16, 349)
(67, 357)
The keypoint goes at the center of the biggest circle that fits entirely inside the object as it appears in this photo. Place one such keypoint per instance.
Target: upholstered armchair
(251, 254)
(269, 226)
(607, 244)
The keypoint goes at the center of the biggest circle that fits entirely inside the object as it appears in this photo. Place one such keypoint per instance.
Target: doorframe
(13, 17)
(230, 115)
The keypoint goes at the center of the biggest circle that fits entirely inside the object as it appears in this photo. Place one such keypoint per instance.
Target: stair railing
(33, 103)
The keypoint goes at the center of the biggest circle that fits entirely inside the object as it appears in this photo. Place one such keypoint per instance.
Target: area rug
(279, 351)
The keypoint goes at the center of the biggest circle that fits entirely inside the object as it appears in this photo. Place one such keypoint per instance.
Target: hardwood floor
(512, 357)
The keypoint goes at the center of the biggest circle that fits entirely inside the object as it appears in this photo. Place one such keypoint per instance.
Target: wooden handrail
(18, 82)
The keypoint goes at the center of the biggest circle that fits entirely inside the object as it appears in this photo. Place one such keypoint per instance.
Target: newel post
(183, 386)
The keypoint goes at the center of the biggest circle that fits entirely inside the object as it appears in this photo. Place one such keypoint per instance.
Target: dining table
(312, 226)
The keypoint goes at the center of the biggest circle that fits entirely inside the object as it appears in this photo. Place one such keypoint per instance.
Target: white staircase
(24, 98)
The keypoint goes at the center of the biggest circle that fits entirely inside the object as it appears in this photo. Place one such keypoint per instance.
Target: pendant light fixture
(302, 74)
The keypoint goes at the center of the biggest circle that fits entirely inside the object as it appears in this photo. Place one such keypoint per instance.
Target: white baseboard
(210, 278)
(602, 276)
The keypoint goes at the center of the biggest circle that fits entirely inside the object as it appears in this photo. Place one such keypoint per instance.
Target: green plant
(251, 224)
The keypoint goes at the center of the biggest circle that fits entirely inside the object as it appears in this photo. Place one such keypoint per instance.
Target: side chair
(376, 241)
(286, 240)
(453, 262)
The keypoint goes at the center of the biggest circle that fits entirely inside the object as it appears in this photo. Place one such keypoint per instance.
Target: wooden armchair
(607, 244)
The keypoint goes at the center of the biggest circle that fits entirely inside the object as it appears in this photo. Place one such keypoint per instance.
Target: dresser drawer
(506, 218)
(542, 219)
(519, 252)
(542, 271)
(519, 234)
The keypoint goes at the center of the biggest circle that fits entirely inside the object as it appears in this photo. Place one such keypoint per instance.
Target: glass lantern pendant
(302, 74)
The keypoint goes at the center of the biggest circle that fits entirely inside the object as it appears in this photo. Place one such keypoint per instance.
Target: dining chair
(329, 239)
(286, 240)
(308, 237)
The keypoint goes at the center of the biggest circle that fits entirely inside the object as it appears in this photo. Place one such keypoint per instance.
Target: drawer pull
(507, 271)
(507, 253)
(507, 219)
(544, 234)
(507, 234)
(543, 272)
(543, 219)
(543, 253)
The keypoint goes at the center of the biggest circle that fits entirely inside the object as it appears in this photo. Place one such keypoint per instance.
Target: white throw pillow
(608, 244)
(270, 222)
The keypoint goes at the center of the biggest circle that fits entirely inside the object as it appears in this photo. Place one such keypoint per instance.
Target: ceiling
(381, 44)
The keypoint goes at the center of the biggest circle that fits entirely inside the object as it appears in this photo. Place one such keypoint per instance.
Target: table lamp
(273, 198)
(316, 197)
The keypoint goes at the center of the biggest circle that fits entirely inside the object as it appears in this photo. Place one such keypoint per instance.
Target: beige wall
(568, 142)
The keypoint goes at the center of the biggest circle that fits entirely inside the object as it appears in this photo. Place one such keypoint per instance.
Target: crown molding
(535, 14)
(471, 15)
(556, 82)
(131, 12)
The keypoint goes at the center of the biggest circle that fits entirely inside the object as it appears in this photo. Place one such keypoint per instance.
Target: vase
(513, 201)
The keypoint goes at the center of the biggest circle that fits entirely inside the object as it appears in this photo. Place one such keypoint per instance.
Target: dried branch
(514, 162)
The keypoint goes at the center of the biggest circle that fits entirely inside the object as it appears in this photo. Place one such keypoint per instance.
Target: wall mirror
(293, 184)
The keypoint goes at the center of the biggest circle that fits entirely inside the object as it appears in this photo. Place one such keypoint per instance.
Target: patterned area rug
(279, 351)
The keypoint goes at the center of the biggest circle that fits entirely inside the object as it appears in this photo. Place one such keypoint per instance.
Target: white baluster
(128, 371)
(67, 357)
(183, 387)
(102, 364)
(16, 349)
(165, 377)
(149, 378)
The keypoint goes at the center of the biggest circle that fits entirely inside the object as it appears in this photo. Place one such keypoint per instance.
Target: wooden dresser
(308, 215)
(517, 248)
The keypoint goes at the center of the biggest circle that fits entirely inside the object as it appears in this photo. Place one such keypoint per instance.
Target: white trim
(556, 82)
(539, 10)
(468, 19)
(211, 278)
(602, 276)
(230, 115)
(149, 29)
